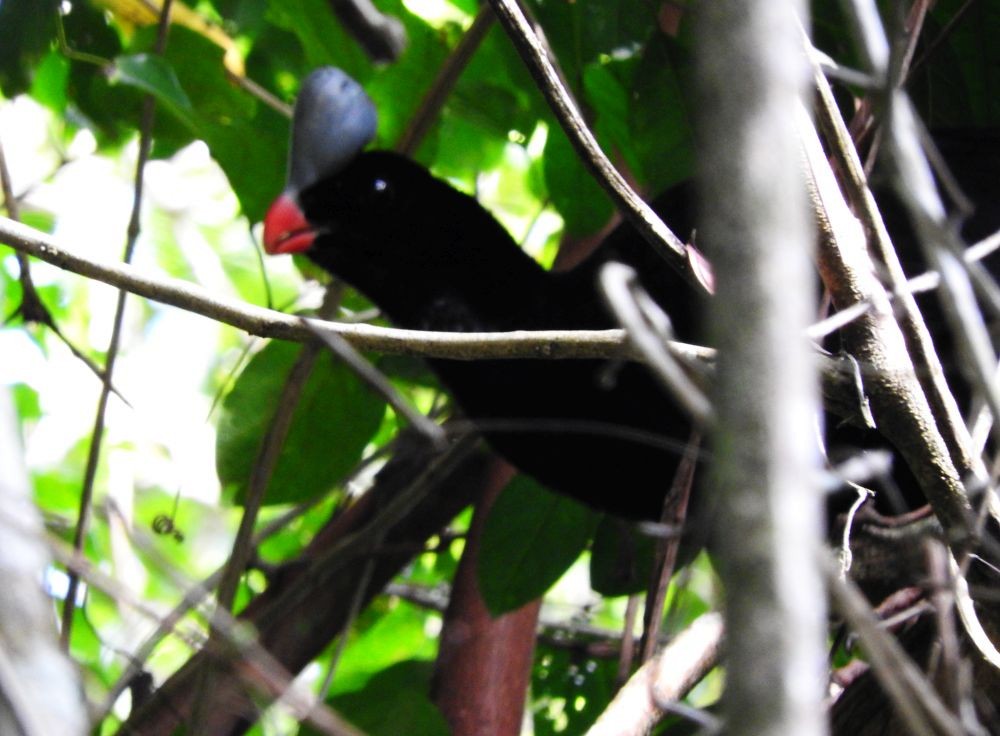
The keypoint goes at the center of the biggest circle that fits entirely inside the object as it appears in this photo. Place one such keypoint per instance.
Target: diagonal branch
(542, 67)
(97, 434)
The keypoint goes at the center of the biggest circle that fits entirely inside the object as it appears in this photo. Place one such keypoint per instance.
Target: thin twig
(262, 322)
(378, 381)
(915, 700)
(543, 69)
(97, 434)
(32, 309)
(649, 331)
(675, 506)
(255, 90)
(667, 677)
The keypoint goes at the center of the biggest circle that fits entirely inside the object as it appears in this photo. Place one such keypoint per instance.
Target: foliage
(73, 81)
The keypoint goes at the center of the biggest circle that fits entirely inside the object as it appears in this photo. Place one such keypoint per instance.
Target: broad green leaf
(608, 96)
(659, 117)
(532, 536)
(333, 422)
(393, 632)
(583, 32)
(27, 28)
(154, 75)
(393, 702)
(249, 140)
(49, 84)
(580, 200)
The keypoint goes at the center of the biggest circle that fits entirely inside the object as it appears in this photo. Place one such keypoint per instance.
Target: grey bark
(39, 692)
(752, 77)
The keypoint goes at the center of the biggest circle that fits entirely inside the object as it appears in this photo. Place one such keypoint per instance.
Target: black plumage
(433, 259)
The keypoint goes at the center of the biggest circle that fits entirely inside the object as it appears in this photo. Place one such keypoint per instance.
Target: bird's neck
(493, 291)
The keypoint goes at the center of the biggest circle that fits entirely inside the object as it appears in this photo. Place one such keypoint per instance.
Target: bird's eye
(379, 193)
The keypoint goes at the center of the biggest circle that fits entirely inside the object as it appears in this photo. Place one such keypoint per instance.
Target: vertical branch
(97, 434)
(39, 691)
(751, 78)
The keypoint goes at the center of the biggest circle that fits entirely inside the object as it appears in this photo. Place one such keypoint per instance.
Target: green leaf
(389, 633)
(659, 118)
(393, 702)
(582, 32)
(249, 140)
(27, 28)
(49, 83)
(335, 418)
(580, 200)
(154, 75)
(532, 536)
(608, 96)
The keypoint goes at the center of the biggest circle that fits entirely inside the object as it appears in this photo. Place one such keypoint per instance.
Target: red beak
(285, 227)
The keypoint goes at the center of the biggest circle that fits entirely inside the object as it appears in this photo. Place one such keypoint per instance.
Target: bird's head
(333, 121)
(374, 218)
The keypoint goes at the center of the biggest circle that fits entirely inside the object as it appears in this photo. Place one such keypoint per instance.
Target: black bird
(433, 259)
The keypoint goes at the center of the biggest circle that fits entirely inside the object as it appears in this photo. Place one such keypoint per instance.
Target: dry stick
(549, 344)
(549, 81)
(667, 677)
(626, 654)
(675, 506)
(97, 434)
(915, 700)
(930, 374)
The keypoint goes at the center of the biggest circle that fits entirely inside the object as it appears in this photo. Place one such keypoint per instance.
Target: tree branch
(549, 80)
(554, 344)
(755, 226)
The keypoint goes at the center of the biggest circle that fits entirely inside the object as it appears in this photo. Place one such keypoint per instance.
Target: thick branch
(897, 399)
(666, 678)
(755, 227)
(307, 603)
